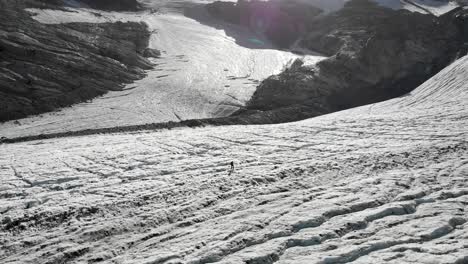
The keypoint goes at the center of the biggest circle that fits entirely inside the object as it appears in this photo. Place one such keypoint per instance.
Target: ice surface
(383, 183)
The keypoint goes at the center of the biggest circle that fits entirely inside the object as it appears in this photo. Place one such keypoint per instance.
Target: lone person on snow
(231, 170)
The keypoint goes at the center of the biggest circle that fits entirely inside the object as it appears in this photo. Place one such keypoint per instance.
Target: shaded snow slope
(203, 72)
(384, 183)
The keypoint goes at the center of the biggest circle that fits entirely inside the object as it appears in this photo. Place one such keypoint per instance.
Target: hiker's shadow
(242, 36)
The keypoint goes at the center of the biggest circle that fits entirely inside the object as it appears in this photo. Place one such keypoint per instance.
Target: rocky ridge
(375, 53)
(283, 22)
(45, 67)
(121, 5)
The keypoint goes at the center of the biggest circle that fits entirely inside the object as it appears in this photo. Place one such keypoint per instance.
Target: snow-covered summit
(436, 7)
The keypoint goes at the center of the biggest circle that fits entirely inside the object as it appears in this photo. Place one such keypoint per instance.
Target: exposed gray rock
(115, 5)
(44, 67)
(283, 22)
(375, 54)
(151, 53)
(227, 11)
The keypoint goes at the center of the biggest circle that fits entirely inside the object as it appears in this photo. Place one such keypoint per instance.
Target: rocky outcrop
(461, 20)
(45, 67)
(283, 22)
(113, 5)
(375, 54)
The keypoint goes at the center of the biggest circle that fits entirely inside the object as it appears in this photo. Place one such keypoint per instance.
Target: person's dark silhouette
(231, 170)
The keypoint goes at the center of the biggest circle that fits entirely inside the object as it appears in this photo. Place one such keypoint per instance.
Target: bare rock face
(227, 11)
(114, 5)
(45, 67)
(460, 17)
(283, 22)
(376, 54)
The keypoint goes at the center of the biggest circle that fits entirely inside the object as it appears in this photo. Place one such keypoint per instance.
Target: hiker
(231, 170)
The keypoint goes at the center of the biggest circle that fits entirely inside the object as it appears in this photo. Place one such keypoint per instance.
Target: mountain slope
(374, 54)
(45, 67)
(383, 183)
(435, 7)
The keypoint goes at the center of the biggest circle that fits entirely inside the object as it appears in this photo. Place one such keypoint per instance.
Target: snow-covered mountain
(383, 183)
(436, 7)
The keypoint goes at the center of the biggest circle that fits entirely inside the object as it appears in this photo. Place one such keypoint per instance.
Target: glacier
(382, 183)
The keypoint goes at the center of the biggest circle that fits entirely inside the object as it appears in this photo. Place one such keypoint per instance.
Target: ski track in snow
(383, 183)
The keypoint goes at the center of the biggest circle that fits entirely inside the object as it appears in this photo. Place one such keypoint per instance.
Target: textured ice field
(384, 183)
